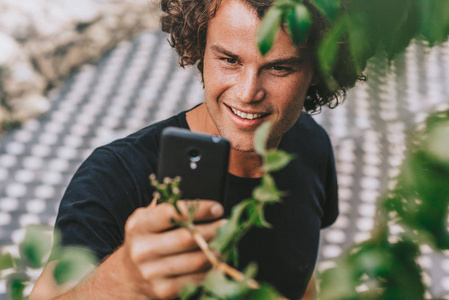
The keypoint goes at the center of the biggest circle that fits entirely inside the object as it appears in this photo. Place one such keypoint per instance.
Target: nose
(249, 87)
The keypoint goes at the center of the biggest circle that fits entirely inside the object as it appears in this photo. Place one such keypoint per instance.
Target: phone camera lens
(194, 155)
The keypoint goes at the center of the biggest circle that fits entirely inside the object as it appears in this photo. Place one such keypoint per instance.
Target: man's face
(244, 89)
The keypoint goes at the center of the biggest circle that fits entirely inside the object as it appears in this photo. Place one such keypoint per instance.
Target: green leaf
(362, 43)
(261, 137)
(36, 245)
(250, 271)
(73, 264)
(267, 192)
(329, 46)
(230, 233)
(436, 143)
(16, 289)
(6, 261)
(16, 283)
(434, 25)
(284, 4)
(338, 283)
(217, 284)
(268, 29)
(264, 292)
(329, 8)
(188, 291)
(299, 22)
(275, 160)
(257, 216)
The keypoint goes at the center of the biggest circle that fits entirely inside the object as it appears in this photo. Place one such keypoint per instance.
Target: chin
(243, 147)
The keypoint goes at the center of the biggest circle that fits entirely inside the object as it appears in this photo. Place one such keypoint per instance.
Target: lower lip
(246, 123)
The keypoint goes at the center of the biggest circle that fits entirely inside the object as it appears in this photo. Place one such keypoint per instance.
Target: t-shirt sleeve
(104, 191)
(330, 205)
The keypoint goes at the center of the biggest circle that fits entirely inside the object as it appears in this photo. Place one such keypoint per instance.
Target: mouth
(246, 116)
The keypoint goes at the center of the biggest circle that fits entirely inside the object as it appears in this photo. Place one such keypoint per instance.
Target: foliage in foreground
(385, 266)
(365, 27)
(34, 251)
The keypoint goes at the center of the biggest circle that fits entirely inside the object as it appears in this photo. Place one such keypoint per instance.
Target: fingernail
(217, 210)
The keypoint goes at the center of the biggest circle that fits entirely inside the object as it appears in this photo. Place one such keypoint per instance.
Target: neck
(245, 164)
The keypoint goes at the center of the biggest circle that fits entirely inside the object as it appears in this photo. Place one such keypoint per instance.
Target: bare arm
(153, 262)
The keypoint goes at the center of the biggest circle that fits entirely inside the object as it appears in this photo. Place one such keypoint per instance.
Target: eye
(229, 60)
(280, 70)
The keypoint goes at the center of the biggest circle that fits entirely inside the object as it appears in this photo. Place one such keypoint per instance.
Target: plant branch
(216, 263)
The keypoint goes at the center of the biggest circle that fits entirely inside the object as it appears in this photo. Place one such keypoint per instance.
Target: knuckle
(148, 273)
(200, 262)
(141, 252)
(185, 239)
(131, 224)
(135, 254)
(164, 290)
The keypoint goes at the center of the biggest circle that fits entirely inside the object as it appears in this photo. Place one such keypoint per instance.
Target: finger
(158, 218)
(167, 288)
(149, 247)
(175, 265)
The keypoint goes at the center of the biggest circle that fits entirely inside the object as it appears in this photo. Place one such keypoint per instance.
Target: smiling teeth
(245, 115)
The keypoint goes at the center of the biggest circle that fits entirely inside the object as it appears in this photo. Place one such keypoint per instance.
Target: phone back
(200, 160)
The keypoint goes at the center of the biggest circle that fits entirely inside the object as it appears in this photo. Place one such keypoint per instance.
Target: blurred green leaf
(229, 234)
(436, 143)
(362, 45)
(268, 29)
(264, 292)
(275, 160)
(299, 22)
(188, 291)
(36, 245)
(404, 281)
(73, 264)
(434, 20)
(406, 26)
(217, 284)
(338, 283)
(329, 8)
(16, 284)
(257, 215)
(284, 4)
(329, 47)
(261, 137)
(6, 261)
(267, 192)
(422, 197)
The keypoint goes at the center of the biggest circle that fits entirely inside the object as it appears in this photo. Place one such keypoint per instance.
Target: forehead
(235, 26)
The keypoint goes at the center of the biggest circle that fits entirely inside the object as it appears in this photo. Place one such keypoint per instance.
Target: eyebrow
(294, 60)
(222, 50)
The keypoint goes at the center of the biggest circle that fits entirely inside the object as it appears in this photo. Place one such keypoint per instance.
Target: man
(106, 205)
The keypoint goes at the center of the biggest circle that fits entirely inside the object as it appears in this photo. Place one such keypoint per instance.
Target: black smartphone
(200, 160)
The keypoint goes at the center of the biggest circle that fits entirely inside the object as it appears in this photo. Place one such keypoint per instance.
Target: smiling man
(106, 206)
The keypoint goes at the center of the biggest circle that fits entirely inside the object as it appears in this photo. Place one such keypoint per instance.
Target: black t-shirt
(113, 182)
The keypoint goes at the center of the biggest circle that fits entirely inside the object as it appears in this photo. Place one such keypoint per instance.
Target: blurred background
(75, 75)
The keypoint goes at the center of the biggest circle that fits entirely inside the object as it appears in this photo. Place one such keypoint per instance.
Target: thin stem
(225, 268)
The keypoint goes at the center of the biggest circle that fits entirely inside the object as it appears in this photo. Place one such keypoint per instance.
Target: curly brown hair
(186, 21)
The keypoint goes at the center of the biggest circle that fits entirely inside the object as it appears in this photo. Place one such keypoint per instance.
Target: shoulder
(126, 162)
(307, 133)
(147, 139)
